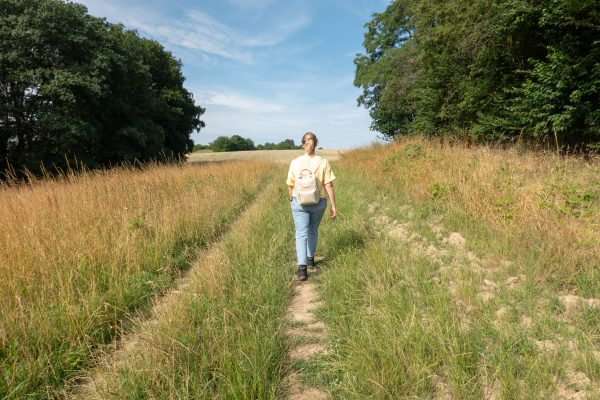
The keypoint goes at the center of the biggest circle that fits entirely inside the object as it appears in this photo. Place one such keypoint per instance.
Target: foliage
(485, 69)
(287, 144)
(77, 88)
(233, 143)
(238, 143)
(198, 147)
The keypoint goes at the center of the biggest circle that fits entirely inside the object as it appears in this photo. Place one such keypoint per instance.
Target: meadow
(82, 252)
(267, 155)
(476, 275)
(451, 272)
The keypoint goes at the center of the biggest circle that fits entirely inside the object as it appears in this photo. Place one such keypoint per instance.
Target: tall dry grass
(220, 336)
(530, 198)
(412, 314)
(78, 253)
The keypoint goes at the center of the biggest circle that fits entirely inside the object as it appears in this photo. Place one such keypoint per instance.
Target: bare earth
(307, 333)
(267, 155)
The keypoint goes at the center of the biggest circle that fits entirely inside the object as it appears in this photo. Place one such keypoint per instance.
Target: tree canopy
(485, 69)
(233, 143)
(76, 88)
(287, 144)
(238, 143)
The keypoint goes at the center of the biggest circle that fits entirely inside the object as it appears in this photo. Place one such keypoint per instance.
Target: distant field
(271, 155)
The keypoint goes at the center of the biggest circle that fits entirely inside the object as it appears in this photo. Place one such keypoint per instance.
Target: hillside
(451, 272)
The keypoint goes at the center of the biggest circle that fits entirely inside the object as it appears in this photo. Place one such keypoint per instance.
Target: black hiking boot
(310, 262)
(302, 273)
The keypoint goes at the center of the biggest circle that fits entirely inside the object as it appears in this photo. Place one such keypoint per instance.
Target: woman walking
(309, 172)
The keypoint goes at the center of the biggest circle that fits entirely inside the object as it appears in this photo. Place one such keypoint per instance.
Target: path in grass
(306, 334)
(99, 383)
(96, 380)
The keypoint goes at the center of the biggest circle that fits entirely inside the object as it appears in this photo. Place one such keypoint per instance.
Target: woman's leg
(301, 221)
(313, 226)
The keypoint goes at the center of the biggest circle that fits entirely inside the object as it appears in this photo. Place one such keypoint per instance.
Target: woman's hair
(309, 142)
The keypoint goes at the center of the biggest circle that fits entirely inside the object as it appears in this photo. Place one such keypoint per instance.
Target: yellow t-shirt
(315, 164)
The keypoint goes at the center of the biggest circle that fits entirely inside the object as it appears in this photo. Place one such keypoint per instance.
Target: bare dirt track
(96, 383)
(306, 334)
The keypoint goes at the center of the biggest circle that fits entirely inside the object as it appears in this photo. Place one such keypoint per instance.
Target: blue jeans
(307, 220)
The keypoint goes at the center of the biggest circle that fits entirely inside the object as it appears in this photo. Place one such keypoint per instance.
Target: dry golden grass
(529, 194)
(265, 155)
(218, 335)
(78, 253)
(462, 272)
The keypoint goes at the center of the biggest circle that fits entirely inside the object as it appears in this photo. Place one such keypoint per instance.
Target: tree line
(492, 70)
(238, 143)
(76, 88)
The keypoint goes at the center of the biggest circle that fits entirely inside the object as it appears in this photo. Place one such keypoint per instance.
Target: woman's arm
(290, 192)
(331, 194)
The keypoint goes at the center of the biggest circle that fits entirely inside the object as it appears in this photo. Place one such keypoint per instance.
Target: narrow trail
(94, 382)
(97, 379)
(306, 334)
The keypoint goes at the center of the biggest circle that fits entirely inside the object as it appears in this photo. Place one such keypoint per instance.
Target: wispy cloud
(278, 33)
(238, 102)
(251, 3)
(198, 31)
(337, 124)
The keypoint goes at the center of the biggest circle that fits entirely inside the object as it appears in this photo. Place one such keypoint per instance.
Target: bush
(287, 144)
(233, 143)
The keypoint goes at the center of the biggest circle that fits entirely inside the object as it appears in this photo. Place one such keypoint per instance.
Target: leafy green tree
(287, 144)
(484, 69)
(387, 72)
(233, 143)
(198, 147)
(558, 99)
(77, 88)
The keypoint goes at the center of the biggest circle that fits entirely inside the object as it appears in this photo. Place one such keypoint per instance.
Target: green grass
(223, 338)
(407, 318)
(70, 301)
(405, 326)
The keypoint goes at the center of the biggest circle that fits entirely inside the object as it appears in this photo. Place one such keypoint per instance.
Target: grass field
(78, 255)
(451, 272)
(269, 155)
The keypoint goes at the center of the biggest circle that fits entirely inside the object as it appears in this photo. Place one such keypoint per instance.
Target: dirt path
(95, 382)
(306, 333)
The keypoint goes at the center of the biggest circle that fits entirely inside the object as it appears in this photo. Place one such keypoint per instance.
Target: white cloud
(251, 3)
(340, 124)
(278, 34)
(198, 31)
(237, 102)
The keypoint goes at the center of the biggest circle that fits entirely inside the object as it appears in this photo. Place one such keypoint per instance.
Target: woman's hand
(331, 194)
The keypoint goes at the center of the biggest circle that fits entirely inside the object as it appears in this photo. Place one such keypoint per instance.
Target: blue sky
(263, 69)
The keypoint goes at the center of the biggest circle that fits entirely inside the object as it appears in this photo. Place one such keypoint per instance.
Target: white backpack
(307, 186)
